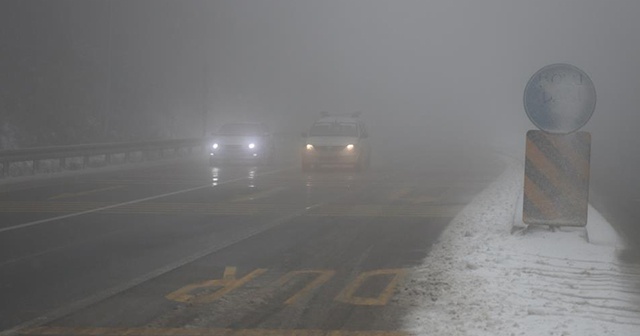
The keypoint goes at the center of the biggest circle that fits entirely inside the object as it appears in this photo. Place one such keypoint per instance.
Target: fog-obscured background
(423, 72)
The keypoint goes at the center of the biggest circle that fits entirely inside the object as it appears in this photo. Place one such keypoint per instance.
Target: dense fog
(450, 73)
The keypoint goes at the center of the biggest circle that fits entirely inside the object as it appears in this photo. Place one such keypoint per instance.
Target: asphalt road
(188, 249)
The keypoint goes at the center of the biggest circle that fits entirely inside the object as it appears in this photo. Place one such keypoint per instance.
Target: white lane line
(103, 295)
(87, 192)
(258, 195)
(47, 220)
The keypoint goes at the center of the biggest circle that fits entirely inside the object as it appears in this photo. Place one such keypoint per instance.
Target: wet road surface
(188, 249)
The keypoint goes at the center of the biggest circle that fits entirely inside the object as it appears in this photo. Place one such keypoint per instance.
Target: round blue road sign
(559, 98)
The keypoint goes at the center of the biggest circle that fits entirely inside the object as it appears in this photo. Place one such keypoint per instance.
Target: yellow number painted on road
(228, 284)
(323, 276)
(211, 290)
(348, 295)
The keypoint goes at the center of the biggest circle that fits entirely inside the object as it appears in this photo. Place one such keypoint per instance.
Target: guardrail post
(35, 166)
(63, 163)
(85, 161)
(5, 169)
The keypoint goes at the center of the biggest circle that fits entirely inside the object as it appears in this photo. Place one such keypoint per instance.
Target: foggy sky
(439, 73)
(442, 67)
(447, 71)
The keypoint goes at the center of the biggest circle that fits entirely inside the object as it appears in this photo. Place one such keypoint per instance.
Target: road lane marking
(236, 209)
(201, 292)
(155, 181)
(259, 195)
(399, 194)
(323, 276)
(43, 221)
(348, 295)
(95, 331)
(81, 304)
(228, 284)
(84, 193)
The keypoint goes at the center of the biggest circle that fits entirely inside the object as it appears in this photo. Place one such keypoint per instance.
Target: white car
(242, 141)
(337, 140)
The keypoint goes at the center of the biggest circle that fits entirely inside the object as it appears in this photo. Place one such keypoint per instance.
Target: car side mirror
(304, 134)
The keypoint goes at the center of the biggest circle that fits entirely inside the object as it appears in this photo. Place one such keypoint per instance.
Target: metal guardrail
(85, 152)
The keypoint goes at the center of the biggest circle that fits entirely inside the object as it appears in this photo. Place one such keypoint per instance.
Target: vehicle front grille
(233, 147)
(329, 148)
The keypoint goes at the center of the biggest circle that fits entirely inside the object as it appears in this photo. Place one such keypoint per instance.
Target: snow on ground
(479, 279)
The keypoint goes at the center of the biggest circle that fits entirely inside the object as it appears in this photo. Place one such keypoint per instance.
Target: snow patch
(481, 280)
(600, 232)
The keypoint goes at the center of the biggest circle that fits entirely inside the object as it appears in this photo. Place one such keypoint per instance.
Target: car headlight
(215, 146)
(309, 146)
(252, 145)
(350, 147)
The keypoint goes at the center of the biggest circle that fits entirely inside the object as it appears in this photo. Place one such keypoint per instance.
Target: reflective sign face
(559, 98)
(556, 179)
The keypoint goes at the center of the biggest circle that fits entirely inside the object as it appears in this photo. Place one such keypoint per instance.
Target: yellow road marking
(95, 331)
(228, 284)
(259, 195)
(399, 194)
(84, 193)
(201, 292)
(348, 294)
(323, 276)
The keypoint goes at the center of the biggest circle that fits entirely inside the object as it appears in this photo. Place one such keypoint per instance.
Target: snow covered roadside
(481, 280)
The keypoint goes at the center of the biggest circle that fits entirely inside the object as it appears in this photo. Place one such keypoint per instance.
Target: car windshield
(334, 129)
(241, 129)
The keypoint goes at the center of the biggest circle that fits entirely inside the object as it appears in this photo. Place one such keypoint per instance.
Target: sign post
(559, 99)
